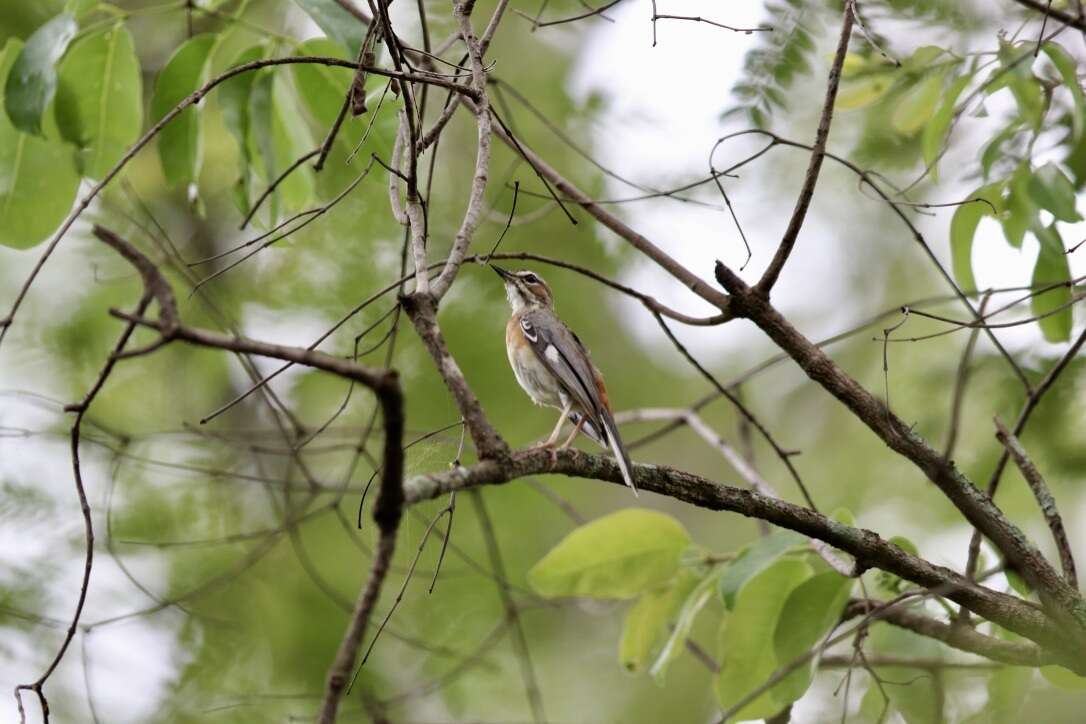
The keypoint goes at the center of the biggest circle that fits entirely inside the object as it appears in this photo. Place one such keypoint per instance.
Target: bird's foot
(551, 447)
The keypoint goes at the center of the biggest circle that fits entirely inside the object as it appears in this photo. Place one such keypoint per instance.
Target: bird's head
(525, 289)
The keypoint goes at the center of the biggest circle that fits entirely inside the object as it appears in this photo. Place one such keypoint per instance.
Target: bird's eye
(531, 278)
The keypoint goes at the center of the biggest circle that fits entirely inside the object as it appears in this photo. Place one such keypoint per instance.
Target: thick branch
(1060, 15)
(387, 512)
(964, 638)
(865, 545)
(977, 507)
(473, 214)
(422, 310)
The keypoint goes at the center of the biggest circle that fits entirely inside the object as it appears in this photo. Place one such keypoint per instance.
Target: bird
(553, 367)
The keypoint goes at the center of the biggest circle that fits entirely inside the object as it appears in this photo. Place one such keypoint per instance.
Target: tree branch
(963, 638)
(818, 154)
(422, 310)
(1008, 611)
(1060, 15)
(1044, 498)
(977, 507)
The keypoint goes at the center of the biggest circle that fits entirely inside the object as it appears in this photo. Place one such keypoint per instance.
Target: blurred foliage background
(204, 606)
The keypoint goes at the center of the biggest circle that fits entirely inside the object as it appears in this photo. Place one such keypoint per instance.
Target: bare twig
(1045, 501)
(799, 215)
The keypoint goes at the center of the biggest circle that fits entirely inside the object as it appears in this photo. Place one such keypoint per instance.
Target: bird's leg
(558, 428)
(576, 429)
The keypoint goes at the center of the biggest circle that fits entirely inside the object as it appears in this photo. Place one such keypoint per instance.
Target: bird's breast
(531, 373)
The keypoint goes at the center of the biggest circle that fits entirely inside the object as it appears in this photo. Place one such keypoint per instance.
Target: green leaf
(844, 515)
(1020, 214)
(32, 81)
(1024, 86)
(322, 87)
(905, 544)
(862, 92)
(748, 657)
(647, 622)
(1020, 585)
(1063, 678)
(811, 610)
(916, 106)
(79, 7)
(179, 143)
(694, 602)
(936, 130)
(963, 226)
(921, 58)
(1050, 189)
(617, 556)
(336, 23)
(99, 103)
(1008, 688)
(38, 180)
(756, 558)
(1067, 67)
(993, 150)
(1052, 268)
(263, 134)
(890, 583)
(291, 140)
(913, 694)
(234, 96)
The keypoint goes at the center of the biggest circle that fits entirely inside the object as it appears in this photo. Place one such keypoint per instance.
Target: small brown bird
(553, 367)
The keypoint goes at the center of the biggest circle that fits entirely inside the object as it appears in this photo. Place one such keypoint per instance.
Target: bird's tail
(618, 449)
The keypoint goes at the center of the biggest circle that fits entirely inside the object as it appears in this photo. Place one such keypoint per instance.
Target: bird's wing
(563, 354)
(558, 349)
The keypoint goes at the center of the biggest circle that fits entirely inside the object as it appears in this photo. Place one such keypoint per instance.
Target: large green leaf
(963, 226)
(747, 651)
(617, 556)
(322, 87)
(647, 623)
(291, 139)
(935, 131)
(1052, 190)
(1007, 691)
(32, 80)
(1052, 268)
(755, 558)
(862, 91)
(680, 632)
(1017, 76)
(1063, 678)
(179, 143)
(336, 23)
(261, 120)
(38, 180)
(811, 610)
(1020, 214)
(917, 105)
(1067, 67)
(234, 96)
(99, 104)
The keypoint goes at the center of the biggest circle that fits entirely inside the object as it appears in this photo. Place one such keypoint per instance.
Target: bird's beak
(501, 272)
